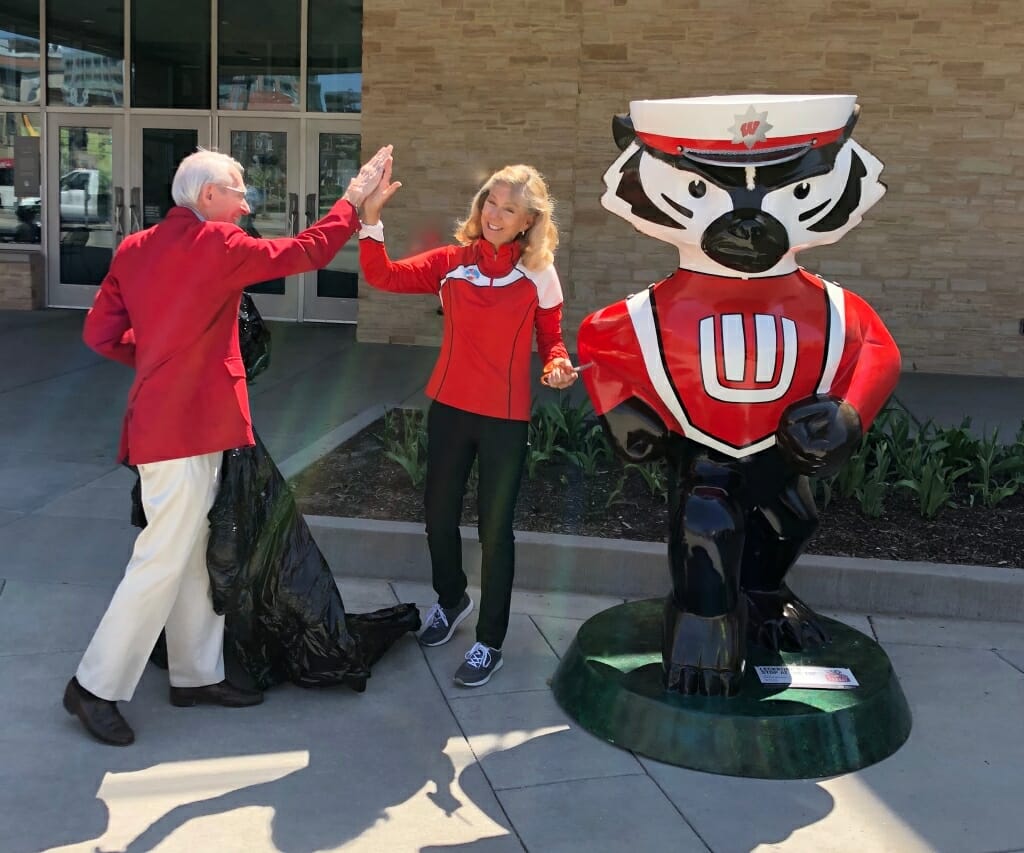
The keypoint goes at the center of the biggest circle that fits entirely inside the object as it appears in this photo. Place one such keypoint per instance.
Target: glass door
(87, 203)
(332, 159)
(158, 145)
(268, 148)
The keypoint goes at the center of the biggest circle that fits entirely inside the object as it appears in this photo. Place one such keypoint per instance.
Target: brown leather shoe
(224, 693)
(99, 716)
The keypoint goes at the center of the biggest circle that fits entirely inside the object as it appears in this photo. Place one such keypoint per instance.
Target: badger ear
(622, 131)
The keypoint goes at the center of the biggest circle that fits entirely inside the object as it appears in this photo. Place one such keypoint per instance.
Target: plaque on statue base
(610, 682)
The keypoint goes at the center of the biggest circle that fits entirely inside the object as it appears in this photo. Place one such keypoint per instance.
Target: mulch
(357, 480)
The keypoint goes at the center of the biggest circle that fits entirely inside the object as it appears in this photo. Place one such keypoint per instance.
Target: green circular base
(610, 682)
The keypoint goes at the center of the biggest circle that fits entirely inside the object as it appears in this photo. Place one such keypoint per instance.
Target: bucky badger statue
(746, 372)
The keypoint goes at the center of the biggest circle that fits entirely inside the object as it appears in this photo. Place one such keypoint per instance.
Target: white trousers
(166, 585)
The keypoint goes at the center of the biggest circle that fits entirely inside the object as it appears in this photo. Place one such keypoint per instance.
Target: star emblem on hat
(751, 127)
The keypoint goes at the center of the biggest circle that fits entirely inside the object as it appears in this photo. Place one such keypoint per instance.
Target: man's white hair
(202, 167)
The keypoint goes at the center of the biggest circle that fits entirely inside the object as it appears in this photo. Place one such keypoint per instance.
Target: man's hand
(369, 177)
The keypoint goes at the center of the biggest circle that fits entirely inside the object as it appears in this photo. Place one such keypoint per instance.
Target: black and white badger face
(743, 221)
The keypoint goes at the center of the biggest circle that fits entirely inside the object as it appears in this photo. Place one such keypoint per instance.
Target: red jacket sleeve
(252, 259)
(548, 322)
(421, 273)
(107, 327)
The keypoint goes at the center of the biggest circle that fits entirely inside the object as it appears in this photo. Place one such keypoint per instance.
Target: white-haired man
(168, 307)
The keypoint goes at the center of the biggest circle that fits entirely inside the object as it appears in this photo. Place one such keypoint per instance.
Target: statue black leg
(704, 635)
(777, 531)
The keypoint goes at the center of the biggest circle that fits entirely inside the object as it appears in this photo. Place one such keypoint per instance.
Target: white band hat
(743, 130)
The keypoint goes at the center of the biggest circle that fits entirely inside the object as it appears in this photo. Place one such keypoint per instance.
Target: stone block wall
(21, 280)
(462, 87)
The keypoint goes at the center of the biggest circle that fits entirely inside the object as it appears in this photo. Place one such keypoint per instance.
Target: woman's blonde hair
(540, 239)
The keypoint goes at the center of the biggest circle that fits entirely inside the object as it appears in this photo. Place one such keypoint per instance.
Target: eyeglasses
(243, 191)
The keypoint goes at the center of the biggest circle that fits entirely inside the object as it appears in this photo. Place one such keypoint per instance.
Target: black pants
(454, 439)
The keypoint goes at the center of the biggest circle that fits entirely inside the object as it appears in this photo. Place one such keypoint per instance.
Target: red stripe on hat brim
(681, 144)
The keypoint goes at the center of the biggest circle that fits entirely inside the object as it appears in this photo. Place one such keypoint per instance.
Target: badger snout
(746, 240)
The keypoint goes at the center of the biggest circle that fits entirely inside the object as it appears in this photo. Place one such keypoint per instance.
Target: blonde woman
(497, 285)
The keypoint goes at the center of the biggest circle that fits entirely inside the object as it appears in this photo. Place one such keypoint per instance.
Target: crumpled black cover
(253, 338)
(284, 618)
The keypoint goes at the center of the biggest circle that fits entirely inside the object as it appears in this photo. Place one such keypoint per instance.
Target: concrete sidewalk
(414, 763)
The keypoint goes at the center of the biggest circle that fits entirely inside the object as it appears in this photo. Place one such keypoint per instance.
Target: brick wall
(21, 280)
(462, 87)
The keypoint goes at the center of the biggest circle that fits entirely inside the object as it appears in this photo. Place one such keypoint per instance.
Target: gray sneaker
(481, 663)
(440, 623)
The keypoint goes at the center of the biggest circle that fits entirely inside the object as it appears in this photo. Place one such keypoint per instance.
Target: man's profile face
(224, 202)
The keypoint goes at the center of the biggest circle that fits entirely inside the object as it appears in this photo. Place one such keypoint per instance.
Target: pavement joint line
(471, 693)
(679, 811)
(543, 636)
(641, 772)
(469, 745)
(999, 654)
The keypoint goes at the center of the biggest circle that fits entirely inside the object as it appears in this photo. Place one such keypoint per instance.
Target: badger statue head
(741, 183)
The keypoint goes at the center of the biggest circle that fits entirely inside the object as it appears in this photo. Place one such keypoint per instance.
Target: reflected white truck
(84, 197)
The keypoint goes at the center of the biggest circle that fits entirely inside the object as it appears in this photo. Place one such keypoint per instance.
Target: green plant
(933, 483)
(874, 486)
(655, 476)
(543, 434)
(405, 442)
(998, 471)
(593, 450)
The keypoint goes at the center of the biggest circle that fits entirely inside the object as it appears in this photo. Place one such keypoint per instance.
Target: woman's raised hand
(375, 201)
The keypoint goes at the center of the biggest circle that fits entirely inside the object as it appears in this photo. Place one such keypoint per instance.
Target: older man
(169, 308)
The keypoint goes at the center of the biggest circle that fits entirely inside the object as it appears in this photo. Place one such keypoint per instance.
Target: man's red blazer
(169, 308)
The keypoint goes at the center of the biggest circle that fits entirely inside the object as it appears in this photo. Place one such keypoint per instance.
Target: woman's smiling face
(503, 215)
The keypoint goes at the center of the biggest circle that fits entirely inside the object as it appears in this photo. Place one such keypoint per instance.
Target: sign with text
(812, 677)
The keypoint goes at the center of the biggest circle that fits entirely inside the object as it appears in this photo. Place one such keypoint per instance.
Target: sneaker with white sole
(481, 663)
(440, 622)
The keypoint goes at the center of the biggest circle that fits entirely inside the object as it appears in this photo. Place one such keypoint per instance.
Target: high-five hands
(380, 196)
(369, 177)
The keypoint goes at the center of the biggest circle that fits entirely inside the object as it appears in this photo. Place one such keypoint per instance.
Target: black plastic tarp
(284, 616)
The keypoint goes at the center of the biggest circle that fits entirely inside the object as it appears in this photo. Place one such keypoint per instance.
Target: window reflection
(19, 52)
(20, 206)
(258, 55)
(171, 54)
(335, 56)
(85, 157)
(339, 162)
(85, 53)
(264, 156)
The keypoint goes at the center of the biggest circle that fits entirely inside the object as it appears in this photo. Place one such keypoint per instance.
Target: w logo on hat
(751, 127)
(740, 355)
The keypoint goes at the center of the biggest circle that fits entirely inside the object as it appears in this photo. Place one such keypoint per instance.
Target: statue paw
(703, 655)
(782, 622)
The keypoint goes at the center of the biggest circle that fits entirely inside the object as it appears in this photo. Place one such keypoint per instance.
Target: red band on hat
(679, 144)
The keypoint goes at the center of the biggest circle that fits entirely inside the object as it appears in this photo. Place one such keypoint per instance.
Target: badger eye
(802, 190)
(698, 189)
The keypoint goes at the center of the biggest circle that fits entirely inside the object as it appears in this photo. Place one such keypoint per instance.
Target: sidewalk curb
(397, 550)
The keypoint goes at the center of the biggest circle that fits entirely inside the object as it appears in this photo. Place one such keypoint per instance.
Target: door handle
(310, 209)
(293, 213)
(118, 214)
(134, 209)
